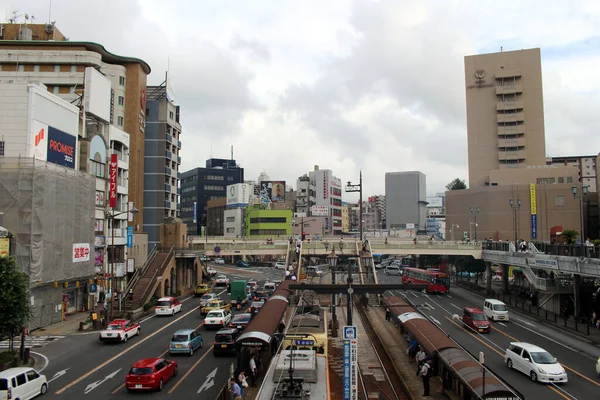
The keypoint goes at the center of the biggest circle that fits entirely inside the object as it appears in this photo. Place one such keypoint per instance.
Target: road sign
(305, 342)
(217, 249)
(347, 370)
(350, 332)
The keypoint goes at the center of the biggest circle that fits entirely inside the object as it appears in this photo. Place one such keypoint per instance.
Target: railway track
(377, 377)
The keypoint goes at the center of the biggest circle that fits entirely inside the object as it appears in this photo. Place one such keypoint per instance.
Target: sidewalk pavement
(67, 327)
(522, 305)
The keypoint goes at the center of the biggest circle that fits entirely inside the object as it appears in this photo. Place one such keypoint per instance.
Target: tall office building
(41, 53)
(162, 160)
(199, 185)
(405, 196)
(505, 112)
(321, 188)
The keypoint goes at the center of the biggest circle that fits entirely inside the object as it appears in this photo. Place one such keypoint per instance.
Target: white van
(495, 310)
(393, 270)
(22, 383)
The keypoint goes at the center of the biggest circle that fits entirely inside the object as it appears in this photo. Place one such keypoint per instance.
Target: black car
(261, 295)
(225, 341)
(255, 307)
(240, 321)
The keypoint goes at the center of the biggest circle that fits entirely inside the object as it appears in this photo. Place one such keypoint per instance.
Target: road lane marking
(190, 370)
(435, 320)
(46, 361)
(506, 334)
(503, 324)
(430, 306)
(564, 366)
(413, 293)
(105, 363)
(58, 375)
(160, 356)
(558, 392)
(209, 382)
(455, 306)
(545, 337)
(123, 385)
(526, 322)
(94, 385)
(448, 296)
(154, 315)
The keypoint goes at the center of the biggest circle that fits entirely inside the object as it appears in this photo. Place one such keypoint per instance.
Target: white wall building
(320, 187)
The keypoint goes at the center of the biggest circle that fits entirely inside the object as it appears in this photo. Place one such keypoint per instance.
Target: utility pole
(358, 188)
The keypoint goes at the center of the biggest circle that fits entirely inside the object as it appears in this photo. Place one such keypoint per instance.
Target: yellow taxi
(202, 289)
(216, 304)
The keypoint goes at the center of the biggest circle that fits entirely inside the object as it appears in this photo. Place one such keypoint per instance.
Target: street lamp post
(471, 224)
(515, 206)
(475, 211)
(358, 188)
(332, 260)
(581, 196)
(112, 257)
(452, 230)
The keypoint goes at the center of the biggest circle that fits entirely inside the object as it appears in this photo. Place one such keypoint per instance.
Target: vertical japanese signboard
(533, 203)
(350, 363)
(113, 181)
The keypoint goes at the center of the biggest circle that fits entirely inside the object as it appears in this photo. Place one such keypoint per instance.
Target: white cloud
(343, 84)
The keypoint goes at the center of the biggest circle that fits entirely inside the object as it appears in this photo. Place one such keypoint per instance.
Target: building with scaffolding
(161, 159)
(49, 209)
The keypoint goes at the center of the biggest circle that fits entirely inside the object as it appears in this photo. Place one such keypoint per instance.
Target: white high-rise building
(321, 188)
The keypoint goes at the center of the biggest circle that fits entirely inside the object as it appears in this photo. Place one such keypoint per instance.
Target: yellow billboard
(4, 247)
(532, 195)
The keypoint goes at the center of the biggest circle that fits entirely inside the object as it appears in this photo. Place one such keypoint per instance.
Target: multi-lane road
(577, 355)
(80, 366)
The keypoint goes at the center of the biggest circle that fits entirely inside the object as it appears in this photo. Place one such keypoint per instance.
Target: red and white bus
(437, 282)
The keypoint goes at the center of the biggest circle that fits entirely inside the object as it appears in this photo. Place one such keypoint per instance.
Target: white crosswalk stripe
(31, 342)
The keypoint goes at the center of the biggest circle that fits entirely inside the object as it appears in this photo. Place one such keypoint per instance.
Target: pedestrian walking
(242, 382)
(421, 357)
(412, 350)
(388, 315)
(253, 371)
(235, 390)
(425, 375)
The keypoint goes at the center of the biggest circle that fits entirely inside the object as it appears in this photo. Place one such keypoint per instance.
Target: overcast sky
(346, 85)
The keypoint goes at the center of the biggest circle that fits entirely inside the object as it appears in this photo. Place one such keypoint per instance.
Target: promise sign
(113, 181)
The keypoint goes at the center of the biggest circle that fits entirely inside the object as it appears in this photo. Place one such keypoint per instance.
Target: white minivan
(22, 383)
(393, 270)
(495, 310)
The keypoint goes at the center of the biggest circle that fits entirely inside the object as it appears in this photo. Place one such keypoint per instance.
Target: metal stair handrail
(139, 272)
(156, 273)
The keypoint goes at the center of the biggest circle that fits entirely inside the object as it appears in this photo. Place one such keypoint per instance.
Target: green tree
(456, 184)
(14, 299)
(570, 236)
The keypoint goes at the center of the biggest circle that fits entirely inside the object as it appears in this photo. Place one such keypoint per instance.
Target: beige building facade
(41, 53)
(554, 207)
(505, 112)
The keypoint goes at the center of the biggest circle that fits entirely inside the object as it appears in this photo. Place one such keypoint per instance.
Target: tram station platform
(396, 345)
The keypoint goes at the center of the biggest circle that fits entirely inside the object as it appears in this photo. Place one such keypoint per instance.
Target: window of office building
(2, 148)
(214, 178)
(97, 169)
(121, 100)
(230, 219)
(122, 80)
(559, 201)
(213, 187)
(120, 120)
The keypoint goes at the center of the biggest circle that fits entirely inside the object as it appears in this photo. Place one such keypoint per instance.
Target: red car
(119, 331)
(475, 319)
(150, 374)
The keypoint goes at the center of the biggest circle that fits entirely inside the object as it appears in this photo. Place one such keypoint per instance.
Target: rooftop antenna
(14, 17)
(232, 152)
(50, 12)
(501, 48)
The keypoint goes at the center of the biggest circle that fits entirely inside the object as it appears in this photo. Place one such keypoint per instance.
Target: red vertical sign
(113, 181)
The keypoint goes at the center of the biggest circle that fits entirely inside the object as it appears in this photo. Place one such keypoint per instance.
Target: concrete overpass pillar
(504, 278)
(488, 277)
(576, 295)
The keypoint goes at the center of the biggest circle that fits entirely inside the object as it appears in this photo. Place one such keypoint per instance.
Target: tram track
(378, 379)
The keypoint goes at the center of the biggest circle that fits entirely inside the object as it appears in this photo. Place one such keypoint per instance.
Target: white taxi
(167, 306)
(119, 330)
(217, 319)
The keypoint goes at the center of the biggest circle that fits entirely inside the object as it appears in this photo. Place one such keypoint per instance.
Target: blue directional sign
(217, 249)
(130, 236)
(347, 371)
(305, 342)
(350, 332)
